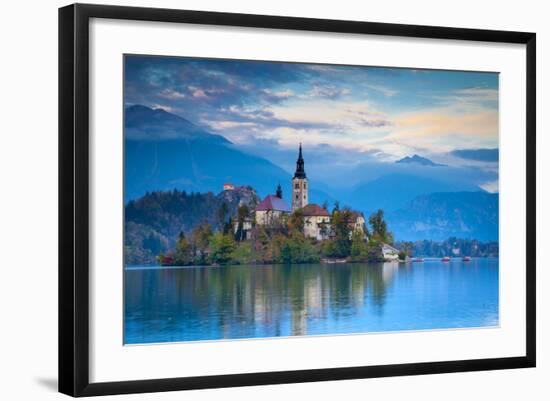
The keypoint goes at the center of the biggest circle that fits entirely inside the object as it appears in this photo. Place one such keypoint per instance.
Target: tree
(297, 249)
(242, 214)
(340, 245)
(407, 247)
(200, 240)
(221, 248)
(358, 249)
(296, 222)
(182, 256)
(275, 247)
(374, 251)
(260, 243)
(379, 227)
(166, 260)
(228, 227)
(153, 243)
(402, 255)
(223, 210)
(244, 254)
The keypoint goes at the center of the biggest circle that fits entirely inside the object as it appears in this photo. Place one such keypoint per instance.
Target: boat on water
(466, 259)
(446, 259)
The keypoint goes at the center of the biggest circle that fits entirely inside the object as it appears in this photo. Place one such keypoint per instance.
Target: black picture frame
(74, 198)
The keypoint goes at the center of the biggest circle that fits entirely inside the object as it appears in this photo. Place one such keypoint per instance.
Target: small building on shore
(389, 252)
(316, 222)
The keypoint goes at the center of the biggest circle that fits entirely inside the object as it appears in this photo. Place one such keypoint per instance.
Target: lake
(231, 302)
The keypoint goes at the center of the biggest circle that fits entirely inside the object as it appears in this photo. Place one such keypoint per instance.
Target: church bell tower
(299, 184)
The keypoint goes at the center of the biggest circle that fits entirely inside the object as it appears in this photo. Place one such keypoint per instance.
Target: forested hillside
(154, 221)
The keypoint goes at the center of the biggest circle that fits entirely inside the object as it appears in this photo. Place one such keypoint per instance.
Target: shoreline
(324, 261)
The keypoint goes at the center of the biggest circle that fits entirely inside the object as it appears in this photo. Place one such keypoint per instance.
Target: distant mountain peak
(416, 159)
(145, 123)
(141, 114)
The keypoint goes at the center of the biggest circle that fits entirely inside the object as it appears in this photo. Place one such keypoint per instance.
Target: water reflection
(207, 303)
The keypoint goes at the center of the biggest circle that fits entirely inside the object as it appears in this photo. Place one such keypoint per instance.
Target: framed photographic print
(249, 199)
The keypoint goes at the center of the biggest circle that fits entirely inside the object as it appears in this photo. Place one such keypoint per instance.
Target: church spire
(279, 193)
(300, 172)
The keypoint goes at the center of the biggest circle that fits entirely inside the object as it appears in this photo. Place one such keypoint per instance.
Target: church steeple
(300, 172)
(299, 184)
(279, 193)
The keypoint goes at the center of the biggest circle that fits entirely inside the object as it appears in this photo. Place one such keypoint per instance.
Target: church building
(272, 209)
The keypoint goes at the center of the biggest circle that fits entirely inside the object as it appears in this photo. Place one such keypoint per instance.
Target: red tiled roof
(314, 210)
(271, 202)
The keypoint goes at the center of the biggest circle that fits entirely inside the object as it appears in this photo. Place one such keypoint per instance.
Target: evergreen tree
(223, 210)
(379, 227)
(341, 244)
(228, 227)
(358, 249)
(242, 214)
(221, 248)
(182, 256)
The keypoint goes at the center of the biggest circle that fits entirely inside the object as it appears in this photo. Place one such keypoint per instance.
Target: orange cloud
(481, 125)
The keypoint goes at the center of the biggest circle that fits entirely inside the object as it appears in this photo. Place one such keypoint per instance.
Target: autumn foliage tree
(200, 241)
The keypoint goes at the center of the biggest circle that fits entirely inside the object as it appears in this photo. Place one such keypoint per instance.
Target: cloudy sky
(348, 115)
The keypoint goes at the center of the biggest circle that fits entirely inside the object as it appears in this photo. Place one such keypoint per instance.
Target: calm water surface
(212, 303)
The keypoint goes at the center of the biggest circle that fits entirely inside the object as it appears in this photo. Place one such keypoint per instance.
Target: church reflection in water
(213, 303)
(264, 301)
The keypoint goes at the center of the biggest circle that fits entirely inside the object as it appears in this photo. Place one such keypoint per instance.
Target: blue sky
(344, 115)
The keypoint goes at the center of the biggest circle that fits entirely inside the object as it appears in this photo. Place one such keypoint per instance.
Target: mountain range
(394, 191)
(438, 216)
